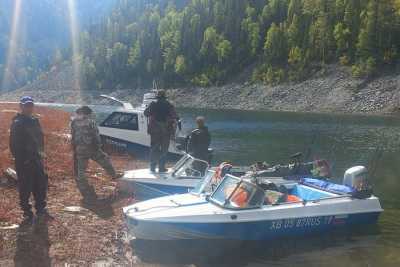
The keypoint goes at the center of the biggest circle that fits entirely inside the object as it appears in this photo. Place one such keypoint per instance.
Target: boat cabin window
(120, 120)
(235, 193)
(189, 167)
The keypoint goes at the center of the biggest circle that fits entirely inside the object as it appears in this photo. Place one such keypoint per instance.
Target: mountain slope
(207, 42)
(43, 35)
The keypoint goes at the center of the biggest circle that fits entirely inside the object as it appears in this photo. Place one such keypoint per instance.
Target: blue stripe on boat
(264, 230)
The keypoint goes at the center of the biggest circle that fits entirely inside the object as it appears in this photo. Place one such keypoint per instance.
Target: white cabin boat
(126, 128)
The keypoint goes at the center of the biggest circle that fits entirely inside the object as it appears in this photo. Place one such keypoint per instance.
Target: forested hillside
(42, 35)
(206, 42)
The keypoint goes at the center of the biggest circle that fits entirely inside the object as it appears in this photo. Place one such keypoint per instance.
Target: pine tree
(275, 46)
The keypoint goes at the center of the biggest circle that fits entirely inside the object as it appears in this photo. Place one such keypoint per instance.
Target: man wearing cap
(86, 145)
(27, 147)
(162, 120)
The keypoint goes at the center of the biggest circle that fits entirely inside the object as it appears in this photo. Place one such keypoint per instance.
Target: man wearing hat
(162, 120)
(86, 144)
(27, 147)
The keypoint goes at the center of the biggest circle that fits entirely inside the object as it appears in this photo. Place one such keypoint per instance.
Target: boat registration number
(301, 222)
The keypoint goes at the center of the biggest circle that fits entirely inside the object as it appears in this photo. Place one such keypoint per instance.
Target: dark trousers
(160, 139)
(103, 160)
(32, 179)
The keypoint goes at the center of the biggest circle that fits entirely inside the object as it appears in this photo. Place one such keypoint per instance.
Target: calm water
(373, 141)
(246, 137)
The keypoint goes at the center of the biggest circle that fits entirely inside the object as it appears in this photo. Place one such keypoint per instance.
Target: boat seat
(273, 197)
(278, 181)
(309, 193)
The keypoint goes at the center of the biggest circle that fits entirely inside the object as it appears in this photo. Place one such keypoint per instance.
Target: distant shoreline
(334, 91)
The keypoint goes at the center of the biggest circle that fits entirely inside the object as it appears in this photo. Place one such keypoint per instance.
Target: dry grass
(71, 238)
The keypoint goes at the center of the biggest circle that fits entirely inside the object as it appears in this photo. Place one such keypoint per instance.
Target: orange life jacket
(240, 197)
(292, 198)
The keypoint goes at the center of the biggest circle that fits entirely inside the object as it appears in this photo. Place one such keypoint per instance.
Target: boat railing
(305, 202)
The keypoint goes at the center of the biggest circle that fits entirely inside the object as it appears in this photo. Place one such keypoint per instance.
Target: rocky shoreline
(332, 90)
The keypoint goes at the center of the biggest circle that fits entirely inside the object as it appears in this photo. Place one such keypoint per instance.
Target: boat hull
(139, 150)
(144, 184)
(191, 216)
(143, 190)
(248, 231)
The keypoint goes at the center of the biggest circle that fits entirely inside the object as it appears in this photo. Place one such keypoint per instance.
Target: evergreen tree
(207, 41)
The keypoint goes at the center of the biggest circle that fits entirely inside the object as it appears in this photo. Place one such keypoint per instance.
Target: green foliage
(364, 68)
(297, 64)
(342, 35)
(205, 42)
(134, 55)
(275, 46)
(210, 41)
(344, 60)
(223, 49)
(180, 65)
(251, 29)
(274, 76)
(201, 80)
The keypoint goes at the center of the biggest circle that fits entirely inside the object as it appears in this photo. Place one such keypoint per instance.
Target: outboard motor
(181, 143)
(356, 178)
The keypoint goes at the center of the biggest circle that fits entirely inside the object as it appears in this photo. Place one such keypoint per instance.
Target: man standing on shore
(86, 145)
(27, 147)
(162, 119)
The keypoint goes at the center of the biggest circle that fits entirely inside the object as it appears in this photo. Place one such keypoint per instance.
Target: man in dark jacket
(199, 141)
(162, 119)
(27, 146)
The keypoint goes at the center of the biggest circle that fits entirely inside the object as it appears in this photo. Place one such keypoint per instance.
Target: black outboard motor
(182, 145)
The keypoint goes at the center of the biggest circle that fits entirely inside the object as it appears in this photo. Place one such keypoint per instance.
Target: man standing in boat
(199, 141)
(86, 145)
(27, 147)
(162, 120)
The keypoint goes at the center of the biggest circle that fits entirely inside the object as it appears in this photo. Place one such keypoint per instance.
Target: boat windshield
(235, 193)
(205, 185)
(189, 167)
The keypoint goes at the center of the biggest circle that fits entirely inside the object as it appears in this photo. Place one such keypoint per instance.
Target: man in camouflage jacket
(86, 144)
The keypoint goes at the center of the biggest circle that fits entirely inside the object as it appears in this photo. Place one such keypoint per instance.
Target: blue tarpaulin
(328, 186)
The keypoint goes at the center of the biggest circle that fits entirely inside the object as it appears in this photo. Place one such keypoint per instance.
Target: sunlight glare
(74, 29)
(12, 47)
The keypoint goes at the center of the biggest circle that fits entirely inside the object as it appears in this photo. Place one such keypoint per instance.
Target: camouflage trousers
(103, 160)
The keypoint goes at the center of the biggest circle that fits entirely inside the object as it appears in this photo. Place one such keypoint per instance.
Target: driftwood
(8, 176)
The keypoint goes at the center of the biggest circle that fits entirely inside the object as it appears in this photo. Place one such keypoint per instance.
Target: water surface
(345, 140)
(245, 137)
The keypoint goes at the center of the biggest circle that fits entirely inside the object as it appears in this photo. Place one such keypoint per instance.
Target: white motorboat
(240, 209)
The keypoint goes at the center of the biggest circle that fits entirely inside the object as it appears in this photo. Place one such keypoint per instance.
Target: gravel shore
(332, 89)
(95, 234)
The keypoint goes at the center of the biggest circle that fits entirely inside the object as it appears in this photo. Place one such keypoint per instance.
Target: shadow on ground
(33, 246)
